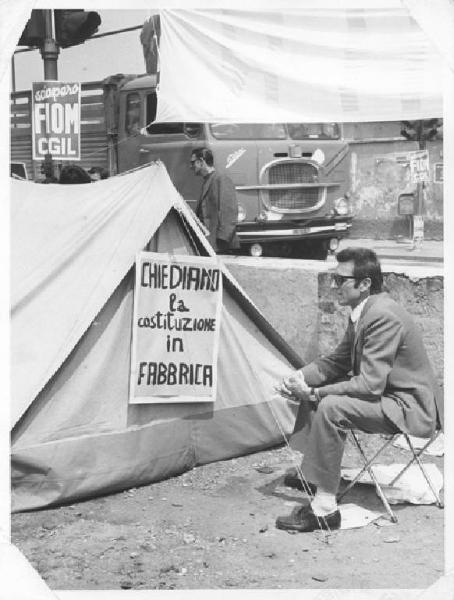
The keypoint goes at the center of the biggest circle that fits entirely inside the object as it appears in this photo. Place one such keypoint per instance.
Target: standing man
(218, 204)
(378, 380)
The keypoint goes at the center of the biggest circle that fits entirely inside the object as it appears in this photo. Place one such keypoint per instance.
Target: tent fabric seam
(18, 449)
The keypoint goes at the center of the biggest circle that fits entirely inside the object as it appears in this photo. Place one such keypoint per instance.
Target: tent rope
(297, 463)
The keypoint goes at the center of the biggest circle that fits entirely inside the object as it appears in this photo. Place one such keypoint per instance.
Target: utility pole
(49, 52)
(420, 131)
(49, 49)
(418, 227)
(50, 30)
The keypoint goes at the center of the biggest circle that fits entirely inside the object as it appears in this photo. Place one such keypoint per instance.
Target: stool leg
(364, 468)
(421, 466)
(415, 456)
(377, 485)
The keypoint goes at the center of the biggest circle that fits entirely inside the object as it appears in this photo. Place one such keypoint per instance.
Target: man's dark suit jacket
(388, 363)
(218, 210)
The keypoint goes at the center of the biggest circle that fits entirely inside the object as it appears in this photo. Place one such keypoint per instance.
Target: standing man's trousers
(320, 434)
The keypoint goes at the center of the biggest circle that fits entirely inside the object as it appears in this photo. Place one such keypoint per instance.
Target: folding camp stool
(368, 467)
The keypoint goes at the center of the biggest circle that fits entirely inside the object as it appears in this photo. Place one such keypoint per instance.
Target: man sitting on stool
(377, 380)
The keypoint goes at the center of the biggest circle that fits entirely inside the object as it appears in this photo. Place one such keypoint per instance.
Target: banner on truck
(175, 334)
(56, 120)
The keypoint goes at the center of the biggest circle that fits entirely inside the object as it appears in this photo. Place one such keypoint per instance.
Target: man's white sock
(324, 503)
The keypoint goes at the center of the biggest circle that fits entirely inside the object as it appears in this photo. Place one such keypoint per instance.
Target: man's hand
(295, 385)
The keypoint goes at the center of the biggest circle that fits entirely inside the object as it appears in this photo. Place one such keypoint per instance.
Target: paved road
(399, 256)
(402, 250)
(403, 255)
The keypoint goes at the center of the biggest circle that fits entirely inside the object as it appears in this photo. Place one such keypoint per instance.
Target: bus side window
(189, 129)
(193, 130)
(132, 114)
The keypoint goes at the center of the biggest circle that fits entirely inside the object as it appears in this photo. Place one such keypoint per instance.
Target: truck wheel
(313, 249)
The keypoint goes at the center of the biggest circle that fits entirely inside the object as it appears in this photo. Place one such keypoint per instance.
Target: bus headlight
(341, 206)
(333, 244)
(256, 250)
(241, 213)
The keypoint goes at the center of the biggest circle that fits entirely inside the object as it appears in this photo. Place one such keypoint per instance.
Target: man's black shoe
(293, 480)
(304, 520)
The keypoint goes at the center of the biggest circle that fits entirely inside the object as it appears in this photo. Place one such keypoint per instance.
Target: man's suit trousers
(321, 438)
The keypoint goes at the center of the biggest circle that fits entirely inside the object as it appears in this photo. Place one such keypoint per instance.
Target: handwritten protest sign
(177, 305)
(56, 120)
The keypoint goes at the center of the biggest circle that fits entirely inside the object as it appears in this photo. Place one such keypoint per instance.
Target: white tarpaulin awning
(331, 62)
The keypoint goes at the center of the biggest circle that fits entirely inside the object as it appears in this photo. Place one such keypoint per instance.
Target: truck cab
(291, 178)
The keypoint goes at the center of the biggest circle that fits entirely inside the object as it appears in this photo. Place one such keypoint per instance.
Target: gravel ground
(213, 527)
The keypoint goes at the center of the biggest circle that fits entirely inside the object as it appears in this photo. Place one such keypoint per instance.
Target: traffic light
(421, 131)
(73, 27)
(34, 31)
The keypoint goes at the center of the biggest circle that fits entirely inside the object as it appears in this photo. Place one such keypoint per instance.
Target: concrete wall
(288, 298)
(298, 302)
(377, 180)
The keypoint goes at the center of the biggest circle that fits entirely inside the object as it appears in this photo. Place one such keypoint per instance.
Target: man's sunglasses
(339, 280)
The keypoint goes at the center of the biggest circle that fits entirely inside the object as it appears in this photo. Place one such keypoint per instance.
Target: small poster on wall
(419, 166)
(418, 227)
(175, 334)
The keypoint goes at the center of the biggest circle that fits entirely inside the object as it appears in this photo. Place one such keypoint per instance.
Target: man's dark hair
(103, 173)
(366, 264)
(74, 174)
(205, 154)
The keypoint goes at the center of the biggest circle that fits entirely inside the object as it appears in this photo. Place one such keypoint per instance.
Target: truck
(292, 179)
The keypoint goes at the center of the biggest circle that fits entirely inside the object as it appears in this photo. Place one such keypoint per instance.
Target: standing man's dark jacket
(218, 210)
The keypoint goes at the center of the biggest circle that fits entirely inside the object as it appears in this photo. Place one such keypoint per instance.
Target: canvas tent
(72, 261)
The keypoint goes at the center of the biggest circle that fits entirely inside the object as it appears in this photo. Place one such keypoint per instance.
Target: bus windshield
(316, 131)
(275, 131)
